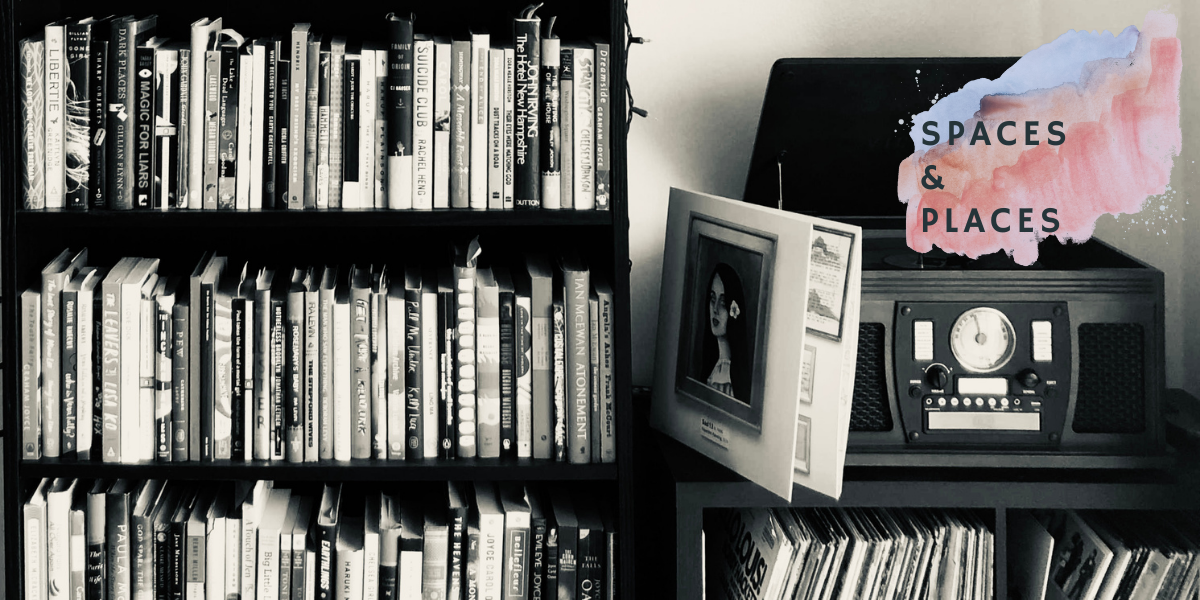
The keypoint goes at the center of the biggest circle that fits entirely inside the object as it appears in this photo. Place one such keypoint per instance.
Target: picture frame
(829, 281)
(741, 261)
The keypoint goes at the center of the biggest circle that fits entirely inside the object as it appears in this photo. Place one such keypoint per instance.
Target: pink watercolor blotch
(1121, 122)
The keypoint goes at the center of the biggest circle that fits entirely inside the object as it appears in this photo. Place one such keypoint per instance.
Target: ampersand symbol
(931, 181)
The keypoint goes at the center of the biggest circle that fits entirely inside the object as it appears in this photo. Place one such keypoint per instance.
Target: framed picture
(828, 279)
(726, 313)
(803, 425)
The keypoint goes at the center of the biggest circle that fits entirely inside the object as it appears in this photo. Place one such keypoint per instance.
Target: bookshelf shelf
(354, 470)
(253, 219)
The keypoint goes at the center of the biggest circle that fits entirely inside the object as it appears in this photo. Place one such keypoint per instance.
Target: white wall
(703, 75)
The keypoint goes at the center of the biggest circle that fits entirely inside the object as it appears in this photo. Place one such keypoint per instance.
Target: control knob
(1028, 379)
(937, 376)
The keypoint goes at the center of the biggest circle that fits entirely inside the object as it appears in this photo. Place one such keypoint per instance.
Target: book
(397, 358)
(517, 545)
(76, 364)
(414, 414)
(561, 402)
(342, 370)
(565, 533)
(550, 134)
(126, 35)
(284, 134)
(400, 111)
(360, 315)
(56, 83)
(32, 73)
(210, 122)
(164, 367)
(58, 535)
(253, 515)
(583, 157)
(55, 276)
(508, 411)
(144, 166)
(380, 166)
(229, 79)
(351, 108)
(168, 80)
(312, 365)
(328, 515)
(487, 359)
(324, 76)
(270, 530)
(538, 278)
(245, 128)
(262, 366)
(228, 405)
(297, 113)
(431, 399)
(31, 369)
(446, 330)
(35, 552)
(118, 503)
(479, 76)
(349, 553)
(489, 513)
(461, 120)
(566, 125)
(435, 547)
(368, 105)
(464, 345)
(589, 570)
(97, 118)
(327, 299)
(203, 36)
(312, 91)
(594, 355)
(442, 58)
(385, 510)
(337, 104)
(77, 111)
(97, 560)
(527, 184)
(603, 124)
(110, 358)
(607, 430)
(146, 365)
(412, 550)
(457, 508)
(424, 125)
(539, 551)
(576, 290)
(495, 129)
(294, 372)
(379, 356)
(510, 77)
(260, 136)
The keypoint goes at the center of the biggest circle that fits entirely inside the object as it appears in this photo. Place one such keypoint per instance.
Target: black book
(77, 155)
(117, 506)
(400, 111)
(270, 121)
(179, 376)
(591, 554)
(98, 118)
(69, 319)
(508, 409)
(181, 106)
(538, 545)
(143, 128)
(413, 417)
(283, 87)
(294, 371)
(227, 119)
(209, 282)
(567, 530)
(527, 182)
(238, 404)
(327, 530)
(94, 586)
(279, 293)
(324, 124)
(351, 71)
(456, 516)
(161, 529)
(446, 327)
(603, 136)
(125, 36)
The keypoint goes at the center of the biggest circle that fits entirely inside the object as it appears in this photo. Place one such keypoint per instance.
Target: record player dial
(982, 339)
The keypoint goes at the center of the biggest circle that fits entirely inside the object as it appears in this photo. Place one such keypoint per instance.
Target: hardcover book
(442, 58)
(487, 360)
(400, 111)
(460, 124)
(33, 121)
(566, 126)
(203, 36)
(527, 184)
(723, 385)
(550, 132)
(479, 76)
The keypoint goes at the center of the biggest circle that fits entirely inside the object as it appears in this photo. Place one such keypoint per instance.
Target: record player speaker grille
(870, 409)
(1111, 397)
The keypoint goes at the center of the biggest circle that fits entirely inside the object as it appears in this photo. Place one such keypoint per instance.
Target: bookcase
(31, 238)
(690, 486)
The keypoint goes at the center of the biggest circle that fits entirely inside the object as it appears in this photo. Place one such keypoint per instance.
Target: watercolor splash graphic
(1118, 100)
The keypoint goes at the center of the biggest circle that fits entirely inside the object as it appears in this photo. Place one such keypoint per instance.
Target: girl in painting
(725, 337)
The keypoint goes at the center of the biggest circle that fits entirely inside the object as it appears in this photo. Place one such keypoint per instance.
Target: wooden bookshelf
(31, 238)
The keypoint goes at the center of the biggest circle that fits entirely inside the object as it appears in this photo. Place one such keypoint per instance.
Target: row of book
(1104, 555)
(117, 118)
(229, 362)
(848, 554)
(164, 540)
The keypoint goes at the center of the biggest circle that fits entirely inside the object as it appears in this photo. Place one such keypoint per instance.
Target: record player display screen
(833, 132)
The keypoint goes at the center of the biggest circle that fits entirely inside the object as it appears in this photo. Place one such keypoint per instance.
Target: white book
(204, 32)
(480, 45)
(35, 543)
(57, 79)
(58, 535)
(244, 128)
(397, 354)
(132, 437)
(524, 390)
(441, 122)
(429, 383)
(165, 368)
(312, 369)
(370, 577)
(148, 370)
(423, 123)
(584, 156)
(551, 180)
(214, 558)
(274, 513)
(411, 555)
(341, 379)
(495, 138)
(368, 84)
(85, 382)
(252, 515)
(248, 372)
(491, 541)
(258, 90)
(310, 575)
(349, 556)
(381, 112)
(233, 557)
(510, 58)
(298, 55)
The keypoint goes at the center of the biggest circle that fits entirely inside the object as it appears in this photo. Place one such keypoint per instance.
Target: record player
(962, 362)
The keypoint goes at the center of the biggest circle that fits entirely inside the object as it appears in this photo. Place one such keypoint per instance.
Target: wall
(703, 75)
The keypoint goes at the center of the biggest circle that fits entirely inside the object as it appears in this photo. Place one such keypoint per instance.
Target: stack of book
(130, 540)
(856, 553)
(130, 364)
(117, 118)
(1104, 555)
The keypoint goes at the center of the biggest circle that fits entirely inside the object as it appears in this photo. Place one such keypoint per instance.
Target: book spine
(590, 567)
(283, 125)
(179, 384)
(566, 127)
(470, 583)
(495, 128)
(578, 375)
(95, 588)
(70, 358)
(464, 361)
(360, 444)
(31, 368)
(118, 534)
(434, 563)
(516, 562)
(326, 540)
(85, 383)
(147, 372)
(423, 125)
(77, 115)
(311, 116)
(35, 560)
(568, 561)
(262, 375)
(270, 124)
(379, 354)
(143, 129)
(608, 417)
(445, 343)
(222, 356)
(52, 365)
(367, 105)
(162, 564)
(508, 409)
(542, 366)
(142, 547)
(325, 374)
(33, 121)
(294, 377)
(257, 105)
(460, 125)
(441, 124)
(279, 390)
(596, 421)
(510, 78)
(58, 542)
(324, 70)
(181, 108)
(397, 355)
(162, 390)
(523, 374)
(118, 114)
(527, 176)
(312, 376)
(537, 558)
(560, 382)
(166, 132)
(227, 134)
(342, 361)
(584, 123)
(212, 129)
(399, 96)
(57, 79)
(457, 552)
(297, 111)
(337, 90)
(237, 382)
(97, 124)
(285, 567)
(603, 127)
(480, 45)
(97, 364)
(111, 374)
(247, 355)
(550, 583)
(244, 128)
(431, 395)
(493, 557)
(269, 557)
(380, 175)
(487, 359)
(550, 133)
(413, 374)
(299, 556)
(351, 190)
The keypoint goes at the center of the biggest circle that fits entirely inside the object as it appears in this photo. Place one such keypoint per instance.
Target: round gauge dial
(982, 340)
